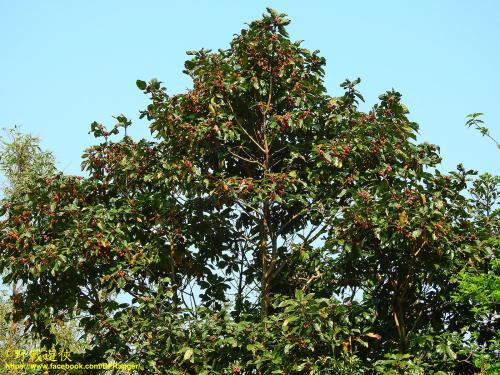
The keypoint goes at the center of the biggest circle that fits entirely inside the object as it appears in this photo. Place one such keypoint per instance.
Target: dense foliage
(268, 228)
(21, 161)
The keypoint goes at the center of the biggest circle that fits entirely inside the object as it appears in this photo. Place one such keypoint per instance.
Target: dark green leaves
(141, 84)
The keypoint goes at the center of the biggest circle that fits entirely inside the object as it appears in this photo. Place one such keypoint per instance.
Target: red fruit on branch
(188, 164)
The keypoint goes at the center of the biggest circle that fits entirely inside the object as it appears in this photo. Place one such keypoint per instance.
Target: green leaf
(450, 353)
(188, 354)
(141, 84)
(299, 295)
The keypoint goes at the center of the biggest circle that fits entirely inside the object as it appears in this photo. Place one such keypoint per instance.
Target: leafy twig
(474, 119)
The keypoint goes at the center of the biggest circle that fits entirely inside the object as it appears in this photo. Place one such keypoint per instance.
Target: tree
(268, 228)
(22, 160)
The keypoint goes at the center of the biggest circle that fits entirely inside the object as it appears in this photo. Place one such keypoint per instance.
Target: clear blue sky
(65, 64)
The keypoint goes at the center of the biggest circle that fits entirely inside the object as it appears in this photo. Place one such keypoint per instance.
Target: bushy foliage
(268, 228)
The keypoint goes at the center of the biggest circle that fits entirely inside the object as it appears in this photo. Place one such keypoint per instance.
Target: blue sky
(65, 64)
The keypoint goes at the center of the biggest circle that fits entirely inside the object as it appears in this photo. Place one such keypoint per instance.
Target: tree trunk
(264, 298)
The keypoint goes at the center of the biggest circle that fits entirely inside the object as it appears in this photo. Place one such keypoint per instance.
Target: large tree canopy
(268, 227)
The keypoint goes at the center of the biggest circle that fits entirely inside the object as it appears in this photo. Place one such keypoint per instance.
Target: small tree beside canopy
(269, 227)
(22, 160)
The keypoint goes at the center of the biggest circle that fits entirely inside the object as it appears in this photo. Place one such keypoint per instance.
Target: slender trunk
(264, 236)
(173, 273)
(267, 267)
(239, 294)
(398, 312)
(264, 231)
(264, 299)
